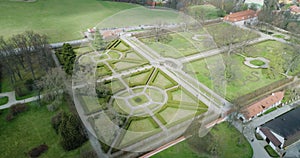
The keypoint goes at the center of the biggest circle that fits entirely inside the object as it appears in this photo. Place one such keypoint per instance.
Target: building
(250, 112)
(295, 9)
(283, 131)
(241, 16)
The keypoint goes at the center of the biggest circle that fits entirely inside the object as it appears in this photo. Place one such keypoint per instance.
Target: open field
(67, 20)
(61, 20)
(30, 129)
(229, 143)
(246, 79)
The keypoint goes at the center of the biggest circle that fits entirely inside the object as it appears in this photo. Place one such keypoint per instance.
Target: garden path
(12, 99)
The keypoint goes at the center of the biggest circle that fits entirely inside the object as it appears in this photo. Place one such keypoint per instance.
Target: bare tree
(53, 85)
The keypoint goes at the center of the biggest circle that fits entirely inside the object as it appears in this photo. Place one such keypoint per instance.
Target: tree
(292, 62)
(69, 57)
(71, 131)
(53, 86)
(25, 52)
(99, 43)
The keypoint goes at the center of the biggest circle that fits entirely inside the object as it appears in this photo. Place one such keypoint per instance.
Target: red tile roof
(239, 16)
(261, 105)
(295, 9)
(271, 136)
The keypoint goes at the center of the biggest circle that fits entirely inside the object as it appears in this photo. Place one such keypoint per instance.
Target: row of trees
(25, 52)
(284, 19)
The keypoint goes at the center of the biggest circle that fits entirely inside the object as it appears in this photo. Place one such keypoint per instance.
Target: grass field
(61, 20)
(229, 142)
(181, 149)
(30, 129)
(64, 20)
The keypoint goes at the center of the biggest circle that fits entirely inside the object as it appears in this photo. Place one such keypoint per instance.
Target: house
(283, 131)
(241, 16)
(295, 9)
(250, 112)
(111, 34)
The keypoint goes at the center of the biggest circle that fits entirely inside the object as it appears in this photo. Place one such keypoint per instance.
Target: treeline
(271, 14)
(24, 57)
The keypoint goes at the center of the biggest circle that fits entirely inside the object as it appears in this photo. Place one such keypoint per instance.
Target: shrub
(17, 108)
(71, 131)
(37, 151)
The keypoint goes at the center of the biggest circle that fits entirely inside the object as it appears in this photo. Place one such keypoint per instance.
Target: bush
(71, 131)
(37, 151)
(17, 108)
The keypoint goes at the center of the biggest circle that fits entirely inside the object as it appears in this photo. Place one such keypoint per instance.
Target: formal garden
(132, 97)
(245, 79)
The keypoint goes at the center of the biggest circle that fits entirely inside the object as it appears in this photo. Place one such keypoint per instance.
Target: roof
(287, 126)
(258, 107)
(271, 136)
(295, 9)
(242, 15)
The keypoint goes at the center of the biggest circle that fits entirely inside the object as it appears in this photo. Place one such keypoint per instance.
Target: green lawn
(62, 20)
(257, 62)
(229, 143)
(181, 149)
(3, 100)
(271, 151)
(30, 129)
